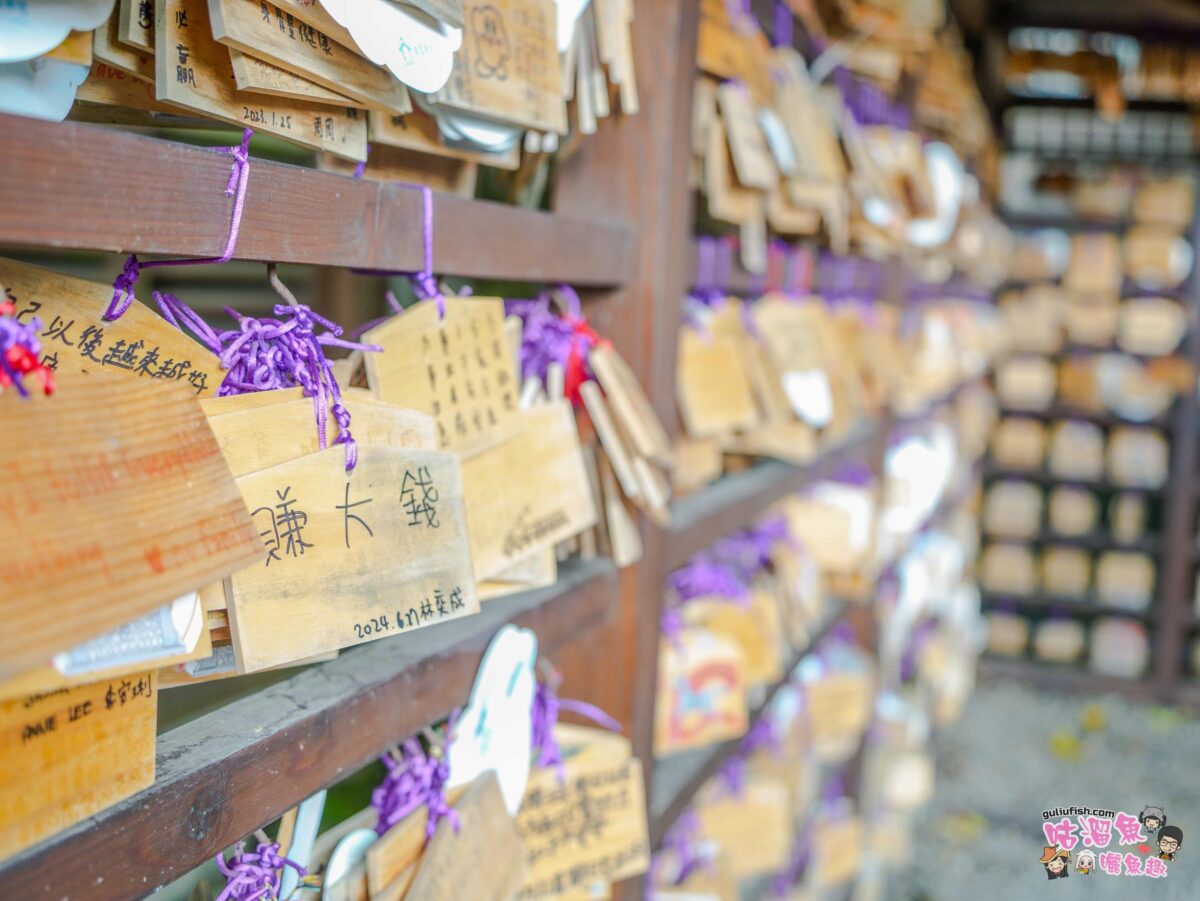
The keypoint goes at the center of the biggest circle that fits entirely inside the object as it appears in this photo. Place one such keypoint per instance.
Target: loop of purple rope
(546, 707)
(726, 570)
(265, 354)
(706, 266)
(672, 625)
(746, 313)
(784, 24)
(549, 338)
(763, 736)
(683, 841)
(788, 878)
(416, 780)
(800, 272)
(239, 178)
(424, 283)
(724, 264)
(704, 576)
(254, 876)
(360, 168)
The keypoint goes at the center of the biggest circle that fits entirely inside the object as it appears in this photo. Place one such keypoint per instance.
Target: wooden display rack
(1170, 620)
(621, 233)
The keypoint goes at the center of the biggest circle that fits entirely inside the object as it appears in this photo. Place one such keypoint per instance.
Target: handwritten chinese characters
(350, 557)
(193, 71)
(75, 338)
(588, 826)
(126, 505)
(287, 40)
(69, 753)
(458, 369)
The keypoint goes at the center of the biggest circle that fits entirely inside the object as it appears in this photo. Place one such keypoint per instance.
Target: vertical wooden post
(634, 171)
(1173, 615)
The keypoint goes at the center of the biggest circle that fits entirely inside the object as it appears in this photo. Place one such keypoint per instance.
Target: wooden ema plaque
(529, 493)
(701, 693)
(261, 437)
(589, 826)
(108, 48)
(456, 369)
(114, 500)
(482, 859)
(418, 131)
(257, 76)
(752, 826)
(712, 386)
(349, 557)
(70, 753)
(75, 338)
(508, 67)
(135, 24)
(755, 628)
(285, 40)
(193, 71)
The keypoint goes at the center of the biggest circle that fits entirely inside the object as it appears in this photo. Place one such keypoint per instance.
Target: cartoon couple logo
(1057, 860)
(1170, 838)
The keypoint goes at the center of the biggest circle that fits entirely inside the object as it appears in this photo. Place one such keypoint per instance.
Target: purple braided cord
(546, 707)
(415, 780)
(265, 354)
(784, 24)
(424, 284)
(19, 335)
(253, 876)
(239, 178)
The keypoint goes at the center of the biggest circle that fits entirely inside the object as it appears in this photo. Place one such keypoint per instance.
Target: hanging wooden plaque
(114, 500)
(76, 339)
(528, 493)
(193, 71)
(715, 397)
(456, 369)
(701, 692)
(480, 859)
(588, 826)
(419, 131)
(256, 76)
(70, 753)
(508, 66)
(349, 557)
(751, 825)
(255, 439)
(291, 43)
(135, 24)
(107, 48)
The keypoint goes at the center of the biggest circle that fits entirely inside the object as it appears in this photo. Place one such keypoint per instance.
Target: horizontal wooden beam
(229, 772)
(1063, 678)
(74, 186)
(678, 777)
(733, 502)
(1047, 604)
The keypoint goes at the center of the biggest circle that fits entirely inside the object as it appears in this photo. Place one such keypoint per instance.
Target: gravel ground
(1017, 752)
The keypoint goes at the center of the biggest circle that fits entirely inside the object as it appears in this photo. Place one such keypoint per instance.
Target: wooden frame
(1170, 619)
(621, 230)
